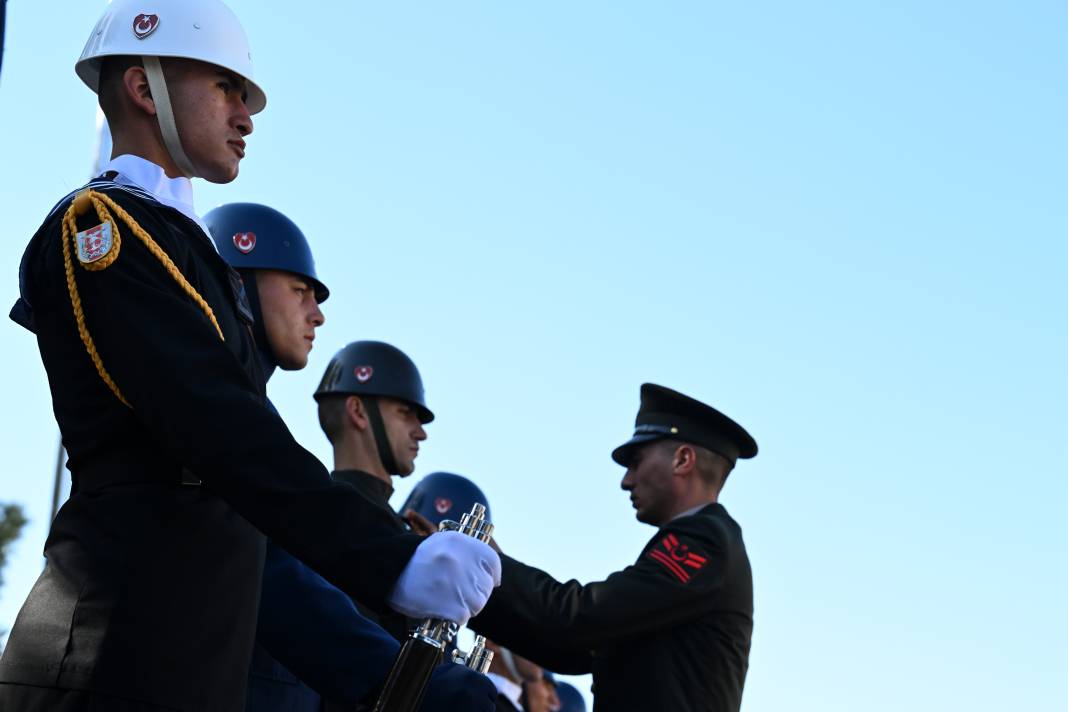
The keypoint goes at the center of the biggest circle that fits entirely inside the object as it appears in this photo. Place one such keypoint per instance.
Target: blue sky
(841, 223)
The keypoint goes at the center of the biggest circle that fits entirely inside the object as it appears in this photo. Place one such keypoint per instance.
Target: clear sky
(841, 223)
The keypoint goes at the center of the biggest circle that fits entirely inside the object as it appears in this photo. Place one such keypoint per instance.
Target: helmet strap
(508, 659)
(268, 360)
(378, 429)
(165, 116)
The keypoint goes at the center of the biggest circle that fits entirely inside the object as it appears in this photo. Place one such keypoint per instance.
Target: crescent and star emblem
(363, 373)
(245, 242)
(144, 25)
(681, 553)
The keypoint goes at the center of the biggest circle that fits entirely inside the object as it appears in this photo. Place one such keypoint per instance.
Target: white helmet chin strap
(505, 656)
(165, 116)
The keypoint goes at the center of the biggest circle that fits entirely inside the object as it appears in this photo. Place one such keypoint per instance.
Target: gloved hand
(454, 687)
(450, 576)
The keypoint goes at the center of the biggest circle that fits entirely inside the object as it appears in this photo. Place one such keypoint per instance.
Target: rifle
(425, 647)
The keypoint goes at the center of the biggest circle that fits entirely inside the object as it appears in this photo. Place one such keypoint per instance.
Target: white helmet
(204, 30)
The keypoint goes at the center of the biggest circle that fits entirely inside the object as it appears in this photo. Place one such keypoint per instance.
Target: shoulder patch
(96, 244)
(680, 560)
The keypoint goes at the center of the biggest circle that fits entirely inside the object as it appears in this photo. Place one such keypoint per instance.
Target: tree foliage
(12, 519)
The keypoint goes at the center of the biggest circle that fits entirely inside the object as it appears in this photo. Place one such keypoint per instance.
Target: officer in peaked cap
(669, 416)
(673, 630)
(665, 413)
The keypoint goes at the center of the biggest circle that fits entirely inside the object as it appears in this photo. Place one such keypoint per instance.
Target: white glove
(450, 576)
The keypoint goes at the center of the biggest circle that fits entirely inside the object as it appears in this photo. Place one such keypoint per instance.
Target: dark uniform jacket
(671, 632)
(316, 652)
(328, 648)
(505, 705)
(377, 494)
(151, 588)
(310, 640)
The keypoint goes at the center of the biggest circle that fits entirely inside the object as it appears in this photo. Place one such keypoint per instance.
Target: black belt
(101, 475)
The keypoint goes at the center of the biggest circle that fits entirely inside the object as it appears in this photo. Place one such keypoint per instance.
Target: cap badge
(442, 505)
(363, 373)
(245, 242)
(144, 25)
(95, 243)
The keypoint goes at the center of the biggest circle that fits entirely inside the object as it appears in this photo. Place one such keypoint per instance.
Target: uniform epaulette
(102, 184)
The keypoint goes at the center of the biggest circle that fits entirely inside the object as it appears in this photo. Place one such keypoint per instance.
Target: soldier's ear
(135, 88)
(356, 413)
(684, 461)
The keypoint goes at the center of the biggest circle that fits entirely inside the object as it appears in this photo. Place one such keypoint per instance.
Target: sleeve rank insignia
(96, 244)
(677, 558)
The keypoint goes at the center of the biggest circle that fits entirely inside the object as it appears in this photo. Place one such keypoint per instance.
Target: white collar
(693, 510)
(174, 192)
(507, 688)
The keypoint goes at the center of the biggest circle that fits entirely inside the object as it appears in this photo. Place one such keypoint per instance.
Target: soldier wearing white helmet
(148, 600)
(181, 77)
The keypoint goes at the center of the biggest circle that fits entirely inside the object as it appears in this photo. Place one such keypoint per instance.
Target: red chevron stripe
(670, 566)
(672, 541)
(694, 561)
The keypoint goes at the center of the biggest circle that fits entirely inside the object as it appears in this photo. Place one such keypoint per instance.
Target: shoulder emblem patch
(678, 558)
(96, 244)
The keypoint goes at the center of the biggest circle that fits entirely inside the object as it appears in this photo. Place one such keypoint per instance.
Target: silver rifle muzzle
(440, 633)
(472, 524)
(478, 659)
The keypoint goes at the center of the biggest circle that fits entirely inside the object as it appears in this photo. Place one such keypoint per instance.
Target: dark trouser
(27, 698)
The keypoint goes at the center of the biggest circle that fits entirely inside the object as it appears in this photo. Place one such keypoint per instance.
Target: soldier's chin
(221, 173)
(292, 361)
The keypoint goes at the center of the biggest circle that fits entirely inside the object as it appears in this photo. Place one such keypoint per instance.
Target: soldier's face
(550, 692)
(290, 316)
(650, 481)
(538, 696)
(405, 433)
(212, 119)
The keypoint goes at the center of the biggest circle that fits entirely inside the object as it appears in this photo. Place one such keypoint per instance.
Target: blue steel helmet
(253, 236)
(571, 700)
(375, 368)
(443, 495)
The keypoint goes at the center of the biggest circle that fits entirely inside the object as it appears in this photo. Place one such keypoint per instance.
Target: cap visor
(623, 453)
